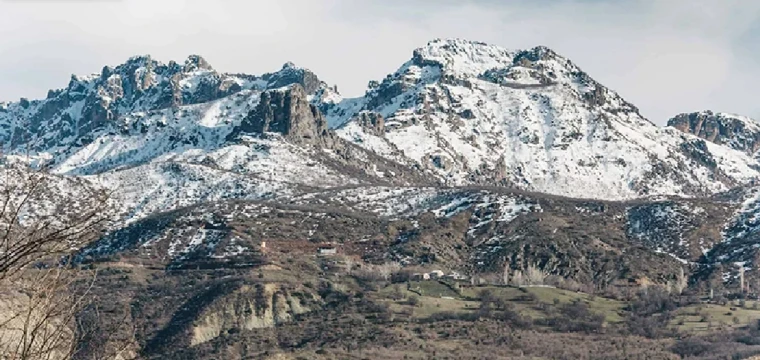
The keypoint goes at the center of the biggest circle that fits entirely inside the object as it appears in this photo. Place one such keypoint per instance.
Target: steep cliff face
(252, 307)
(737, 132)
(289, 113)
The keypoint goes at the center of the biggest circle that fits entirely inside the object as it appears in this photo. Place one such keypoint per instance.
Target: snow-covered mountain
(465, 143)
(464, 112)
(532, 119)
(132, 97)
(168, 135)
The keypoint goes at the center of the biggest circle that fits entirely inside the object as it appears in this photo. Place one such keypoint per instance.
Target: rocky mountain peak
(735, 131)
(461, 57)
(465, 58)
(138, 60)
(196, 62)
(90, 103)
(292, 74)
(477, 113)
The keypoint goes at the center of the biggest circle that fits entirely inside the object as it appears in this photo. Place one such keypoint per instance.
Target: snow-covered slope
(476, 113)
(167, 136)
(459, 112)
(135, 98)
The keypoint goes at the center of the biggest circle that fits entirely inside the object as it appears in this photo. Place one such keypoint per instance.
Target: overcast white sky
(665, 56)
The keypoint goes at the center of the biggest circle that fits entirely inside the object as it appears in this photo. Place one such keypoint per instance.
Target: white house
(421, 276)
(327, 250)
(436, 274)
(456, 276)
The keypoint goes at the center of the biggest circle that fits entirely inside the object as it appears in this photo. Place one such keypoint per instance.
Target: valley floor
(314, 309)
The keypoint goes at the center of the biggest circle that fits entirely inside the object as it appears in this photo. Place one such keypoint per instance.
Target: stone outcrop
(290, 74)
(289, 113)
(88, 104)
(251, 307)
(737, 132)
(372, 122)
(196, 62)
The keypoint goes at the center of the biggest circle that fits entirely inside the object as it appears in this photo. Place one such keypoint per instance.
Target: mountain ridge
(466, 112)
(455, 101)
(488, 163)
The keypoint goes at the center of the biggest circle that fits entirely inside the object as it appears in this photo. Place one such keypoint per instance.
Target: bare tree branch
(44, 219)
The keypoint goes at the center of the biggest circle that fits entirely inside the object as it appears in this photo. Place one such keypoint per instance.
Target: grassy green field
(704, 317)
(433, 296)
(437, 298)
(536, 302)
(432, 289)
(613, 310)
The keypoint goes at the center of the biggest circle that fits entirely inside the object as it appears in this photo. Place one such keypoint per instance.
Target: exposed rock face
(91, 104)
(287, 112)
(196, 62)
(738, 132)
(251, 307)
(372, 122)
(290, 74)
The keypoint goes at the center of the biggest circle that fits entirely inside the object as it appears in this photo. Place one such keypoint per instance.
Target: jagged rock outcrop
(287, 112)
(251, 306)
(72, 117)
(196, 62)
(372, 122)
(291, 74)
(738, 132)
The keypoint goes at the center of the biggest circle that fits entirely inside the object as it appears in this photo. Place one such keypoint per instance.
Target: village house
(327, 249)
(436, 274)
(456, 276)
(420, 276)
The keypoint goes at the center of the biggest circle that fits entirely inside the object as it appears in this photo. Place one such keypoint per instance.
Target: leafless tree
(681, 283)
(517, 278)
(44, 219)
(40, 221)
(37, 314)
(535, 275)
(505, 274)
(388, 269)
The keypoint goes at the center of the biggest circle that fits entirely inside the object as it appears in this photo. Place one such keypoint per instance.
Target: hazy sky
(665, 56)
